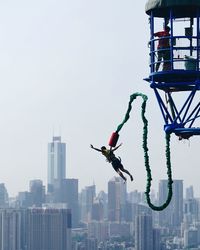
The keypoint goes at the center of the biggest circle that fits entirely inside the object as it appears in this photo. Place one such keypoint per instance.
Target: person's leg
(159, 60)
(120, 173)
(166, 60)
(116, 165)
(126, 171)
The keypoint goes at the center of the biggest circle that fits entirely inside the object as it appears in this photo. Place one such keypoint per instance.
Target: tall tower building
(144, 232)
(172, 216)
(86, 201)
(191, 210)
(116, 198)
(156, 238)
(69, 190)
(56, 162)
(189, 194)
(97, 212)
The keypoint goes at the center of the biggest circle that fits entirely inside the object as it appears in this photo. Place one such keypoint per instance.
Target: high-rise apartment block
(172, 216)
(144, 232)
(189, 193)
(10, 230)
(35, 229)
(86, 202)
(49, 229)
(116, 198)
(69, 195)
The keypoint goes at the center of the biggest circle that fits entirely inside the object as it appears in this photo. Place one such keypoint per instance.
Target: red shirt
(162, 43)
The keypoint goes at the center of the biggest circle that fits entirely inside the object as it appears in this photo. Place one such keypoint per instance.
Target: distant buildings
(108, 220)
(35, 229)
(61, 190)
(35, 197)
(63, 218)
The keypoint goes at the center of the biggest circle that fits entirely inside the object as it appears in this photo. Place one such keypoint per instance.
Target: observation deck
(174, 62)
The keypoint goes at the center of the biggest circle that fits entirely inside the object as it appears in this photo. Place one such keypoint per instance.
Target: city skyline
(57, 140)
(38, 182)
(116, 219)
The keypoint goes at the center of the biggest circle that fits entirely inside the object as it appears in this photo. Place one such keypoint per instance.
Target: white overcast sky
(68, 67)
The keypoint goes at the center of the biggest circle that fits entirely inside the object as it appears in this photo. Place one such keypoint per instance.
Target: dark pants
(116, 163)
(165, 56)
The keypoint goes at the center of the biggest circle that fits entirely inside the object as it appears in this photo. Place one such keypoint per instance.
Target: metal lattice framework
(179, 74)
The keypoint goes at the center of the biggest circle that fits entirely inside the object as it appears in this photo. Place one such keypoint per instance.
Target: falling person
(116, 162)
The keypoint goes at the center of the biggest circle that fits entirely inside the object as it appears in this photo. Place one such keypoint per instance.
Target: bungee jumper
(115, 161)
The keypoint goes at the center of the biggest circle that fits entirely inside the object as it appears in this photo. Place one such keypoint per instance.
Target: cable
(115, 136)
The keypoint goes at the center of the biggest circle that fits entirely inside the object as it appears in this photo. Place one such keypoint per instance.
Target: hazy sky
(68, 67)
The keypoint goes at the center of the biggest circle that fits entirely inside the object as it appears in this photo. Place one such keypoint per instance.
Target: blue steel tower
(174, 63)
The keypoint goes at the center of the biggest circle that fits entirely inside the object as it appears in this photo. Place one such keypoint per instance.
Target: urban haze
(67, 71)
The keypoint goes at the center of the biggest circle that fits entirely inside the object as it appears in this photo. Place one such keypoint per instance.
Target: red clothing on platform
(163, 43)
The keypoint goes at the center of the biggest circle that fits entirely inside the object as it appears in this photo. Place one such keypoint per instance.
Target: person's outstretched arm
(117, 147)
(97, 149)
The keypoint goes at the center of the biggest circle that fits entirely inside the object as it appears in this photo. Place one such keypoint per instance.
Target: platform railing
(184, 57)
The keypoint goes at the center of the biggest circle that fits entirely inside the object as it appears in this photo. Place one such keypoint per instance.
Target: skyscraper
(116, 198)
(189, 193)
(191, 209)
(56, 162)
(172, 216)
(144, 232)
(86, 201)
(156, 238)
(69, 191)
(97, 212)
